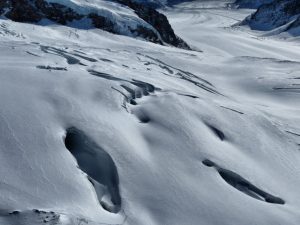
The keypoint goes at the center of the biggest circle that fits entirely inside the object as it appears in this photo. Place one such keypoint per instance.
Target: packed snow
(99, 128)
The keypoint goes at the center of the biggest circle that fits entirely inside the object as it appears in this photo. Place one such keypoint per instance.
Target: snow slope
(104, 129)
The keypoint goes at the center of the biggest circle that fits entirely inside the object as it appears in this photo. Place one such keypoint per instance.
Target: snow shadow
(216, 131)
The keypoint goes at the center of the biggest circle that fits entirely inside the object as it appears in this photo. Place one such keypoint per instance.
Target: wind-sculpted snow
(97, 128)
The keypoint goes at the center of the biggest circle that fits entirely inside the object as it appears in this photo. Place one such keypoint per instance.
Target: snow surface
(158, 112)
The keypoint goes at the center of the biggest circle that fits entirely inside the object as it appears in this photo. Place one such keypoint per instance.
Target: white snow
(241, 83)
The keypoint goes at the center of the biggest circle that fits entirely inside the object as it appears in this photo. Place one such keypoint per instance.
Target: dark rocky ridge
(275, 14)
(4, 5)
(158, 21)
(33, 11)
(251, 4)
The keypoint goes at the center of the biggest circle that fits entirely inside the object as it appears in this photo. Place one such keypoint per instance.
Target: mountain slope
(137, 21)
(283, 14)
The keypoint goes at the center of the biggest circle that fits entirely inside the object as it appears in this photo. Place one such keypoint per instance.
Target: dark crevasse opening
(216, 131)
(243, 185)
(98, 165)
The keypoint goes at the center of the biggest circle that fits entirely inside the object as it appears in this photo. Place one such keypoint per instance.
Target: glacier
(98, 128)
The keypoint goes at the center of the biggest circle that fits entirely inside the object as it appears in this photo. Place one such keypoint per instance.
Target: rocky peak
(276, 14)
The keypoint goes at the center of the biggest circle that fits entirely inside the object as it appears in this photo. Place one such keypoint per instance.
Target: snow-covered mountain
(279, 16)
(98, 128)
(124, 17)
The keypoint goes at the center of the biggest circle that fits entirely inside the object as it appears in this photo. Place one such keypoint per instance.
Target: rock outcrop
(158, 21)
(34, 11)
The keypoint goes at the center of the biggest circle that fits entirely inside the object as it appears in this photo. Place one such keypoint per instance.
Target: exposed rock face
(21, 11)
(32, 11)
(295, 24)
(36, 10)
(149, 35)
(275, 14)
(251, 4)
(102, 23)
(158, 21)
(6, 4)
